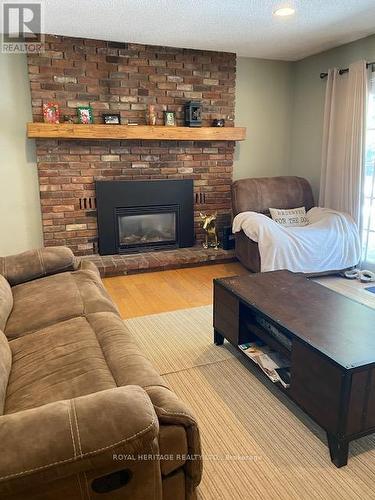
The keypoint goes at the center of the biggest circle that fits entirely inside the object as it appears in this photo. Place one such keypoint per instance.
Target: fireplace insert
(136, 216)
(147, 227)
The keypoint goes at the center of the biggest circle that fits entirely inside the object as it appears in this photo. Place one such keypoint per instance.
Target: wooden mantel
(159, 132)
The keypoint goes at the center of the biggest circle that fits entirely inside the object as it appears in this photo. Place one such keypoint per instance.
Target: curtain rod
(345, 70)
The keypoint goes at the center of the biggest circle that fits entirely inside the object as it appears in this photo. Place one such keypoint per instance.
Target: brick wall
(125, 78)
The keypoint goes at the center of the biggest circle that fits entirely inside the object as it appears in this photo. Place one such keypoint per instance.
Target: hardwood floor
(153, 293)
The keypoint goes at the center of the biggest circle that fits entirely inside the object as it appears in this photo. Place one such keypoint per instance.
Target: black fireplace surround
(139, 216)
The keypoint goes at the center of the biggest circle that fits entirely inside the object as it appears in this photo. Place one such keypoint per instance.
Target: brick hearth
(115, 265)
(125, 78)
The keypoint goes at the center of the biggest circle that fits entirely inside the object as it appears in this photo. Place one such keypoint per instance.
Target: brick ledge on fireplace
(117, 265)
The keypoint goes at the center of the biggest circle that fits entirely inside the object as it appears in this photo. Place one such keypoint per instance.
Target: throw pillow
(296, 217)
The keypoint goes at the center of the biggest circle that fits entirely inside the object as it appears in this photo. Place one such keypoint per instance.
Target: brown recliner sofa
(83, 414)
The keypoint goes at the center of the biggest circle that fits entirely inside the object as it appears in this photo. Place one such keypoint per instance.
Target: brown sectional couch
(83, 414)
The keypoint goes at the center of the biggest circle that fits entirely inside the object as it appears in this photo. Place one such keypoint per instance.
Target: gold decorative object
(151, 115)
(209, 226)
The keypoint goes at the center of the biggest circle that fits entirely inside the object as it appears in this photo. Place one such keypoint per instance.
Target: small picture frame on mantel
(85, 115)
(111, 119)
(169, 118)
(51, 112)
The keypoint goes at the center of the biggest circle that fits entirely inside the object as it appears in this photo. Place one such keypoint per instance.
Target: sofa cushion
(74, 358)
(125, 360)
(46, 301)
(6, 301)
(62, 361)
(5, 366)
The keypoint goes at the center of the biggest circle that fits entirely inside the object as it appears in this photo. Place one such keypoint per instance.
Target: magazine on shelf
(272, 363)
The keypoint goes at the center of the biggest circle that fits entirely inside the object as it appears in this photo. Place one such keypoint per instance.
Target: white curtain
(343, 140)
(368, 204)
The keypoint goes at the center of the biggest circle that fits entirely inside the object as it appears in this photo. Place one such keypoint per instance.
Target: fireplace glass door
(149, 227)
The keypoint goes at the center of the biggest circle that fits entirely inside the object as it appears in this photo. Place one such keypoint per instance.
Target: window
(368, 208)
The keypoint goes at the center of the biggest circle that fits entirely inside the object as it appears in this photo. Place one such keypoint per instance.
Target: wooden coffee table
(331, 350)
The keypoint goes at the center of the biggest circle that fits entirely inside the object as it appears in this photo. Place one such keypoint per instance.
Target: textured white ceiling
(246, 27)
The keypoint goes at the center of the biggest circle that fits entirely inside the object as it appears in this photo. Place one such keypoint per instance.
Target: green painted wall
(308, 105)
(20, 219)
(264, 93)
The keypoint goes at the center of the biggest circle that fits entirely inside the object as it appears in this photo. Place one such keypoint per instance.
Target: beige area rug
(257, 444)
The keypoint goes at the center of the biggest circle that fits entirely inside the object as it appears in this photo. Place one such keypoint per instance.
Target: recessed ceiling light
(284, 11)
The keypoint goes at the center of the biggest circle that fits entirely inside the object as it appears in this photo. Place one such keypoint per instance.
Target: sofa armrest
(37, 263)
(87, 265)
(60, 439)
(172, 411)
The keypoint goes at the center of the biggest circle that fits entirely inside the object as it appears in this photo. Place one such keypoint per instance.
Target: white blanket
(329, 242)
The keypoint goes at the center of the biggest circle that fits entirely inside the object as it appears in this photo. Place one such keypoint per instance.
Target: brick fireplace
(125, 78)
